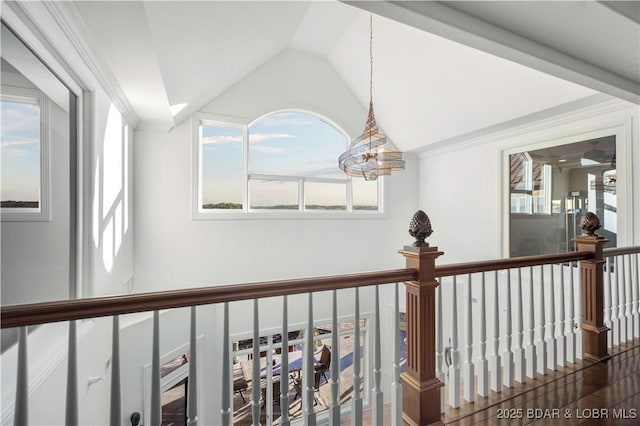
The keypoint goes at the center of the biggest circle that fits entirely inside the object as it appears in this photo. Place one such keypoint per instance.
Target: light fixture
(366, 157)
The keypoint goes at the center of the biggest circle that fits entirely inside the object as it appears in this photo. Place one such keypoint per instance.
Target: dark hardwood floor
(593, 394)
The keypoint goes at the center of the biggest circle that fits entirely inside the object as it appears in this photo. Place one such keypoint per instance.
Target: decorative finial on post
(420, 228)
(590, 224)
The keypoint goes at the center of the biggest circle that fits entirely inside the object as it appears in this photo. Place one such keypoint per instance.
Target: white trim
(620, 127)
(43, 212)
(65, 12)
(582, 109)
(247, 212)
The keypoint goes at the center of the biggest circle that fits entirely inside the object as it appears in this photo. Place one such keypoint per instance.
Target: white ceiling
(427, 88)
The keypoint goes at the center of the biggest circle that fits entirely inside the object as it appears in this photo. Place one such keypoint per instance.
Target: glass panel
(20, 153)
(295, 144)
(222, 167)
(566, 181)
(325, 196)
(365, 194)
(276, 195)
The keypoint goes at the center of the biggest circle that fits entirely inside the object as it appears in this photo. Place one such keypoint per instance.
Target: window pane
(365, 194)
(325, 196)
(222, 169)
(20, 153)
(295, 144)
(277, 195)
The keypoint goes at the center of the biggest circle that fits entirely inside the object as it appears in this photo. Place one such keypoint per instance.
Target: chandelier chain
(370, 58)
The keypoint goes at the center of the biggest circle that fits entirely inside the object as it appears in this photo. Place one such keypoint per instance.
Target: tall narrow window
(23, 150)
(221, 171)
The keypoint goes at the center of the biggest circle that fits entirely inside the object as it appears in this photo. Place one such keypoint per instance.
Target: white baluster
(156, 406)
(226, 369)
(468, 370)
(396, 386)
(71, 411)
(284, 363)
(623, 299)
(626, 267)
(607, 299)
(541, 347)
(21, 412)
(376, 392)
(256, 398)
(636, 296)
(192, 394)
(507, 373)
(334, 408)
(571, 332)
(483, 377)
(578, 318)
(268, 403)
(308, 371)
(561, 338)
(440, 374)
(115, 412)
(454, 368)
(552, 344)
(356, 402)
(496, 362)
(615, 300)
(530, 350)
(520, 366)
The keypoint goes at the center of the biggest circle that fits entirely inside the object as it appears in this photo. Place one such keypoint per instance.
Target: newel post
(420, 386)
(594, 332)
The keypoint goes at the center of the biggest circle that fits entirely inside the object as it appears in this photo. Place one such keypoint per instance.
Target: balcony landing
(582, 394)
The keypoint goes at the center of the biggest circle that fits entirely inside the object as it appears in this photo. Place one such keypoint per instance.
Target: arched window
(283, 162)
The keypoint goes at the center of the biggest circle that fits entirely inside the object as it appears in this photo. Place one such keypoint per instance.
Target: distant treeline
(20, 204)
(236, 206)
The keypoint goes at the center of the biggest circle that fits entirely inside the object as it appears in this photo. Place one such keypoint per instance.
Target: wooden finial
(420, 228)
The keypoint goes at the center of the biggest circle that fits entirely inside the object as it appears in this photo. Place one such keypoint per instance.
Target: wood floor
(592, 394)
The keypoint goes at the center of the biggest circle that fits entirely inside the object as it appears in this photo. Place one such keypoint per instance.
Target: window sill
(287, 215)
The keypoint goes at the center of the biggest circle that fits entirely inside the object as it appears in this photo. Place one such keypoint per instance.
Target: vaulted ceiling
(441, 70)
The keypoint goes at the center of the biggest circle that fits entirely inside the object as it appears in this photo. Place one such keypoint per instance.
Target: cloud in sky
(17, 141)
(285, 120)
(20, 118)
(213, 140)
(15, 152)
(266, 149)
(253, 138)
(261, 137)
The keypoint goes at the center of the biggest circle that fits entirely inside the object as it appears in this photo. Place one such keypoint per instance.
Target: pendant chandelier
(366, 156)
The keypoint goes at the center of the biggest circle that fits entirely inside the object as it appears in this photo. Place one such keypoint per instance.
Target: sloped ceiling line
(440, 19)
(63, 13)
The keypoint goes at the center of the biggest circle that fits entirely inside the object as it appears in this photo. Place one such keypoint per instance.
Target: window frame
(530, 201)
(246, 212)
(43, 213)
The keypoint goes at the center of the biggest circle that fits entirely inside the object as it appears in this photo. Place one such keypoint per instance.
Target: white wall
(47, 372)
(461, 186)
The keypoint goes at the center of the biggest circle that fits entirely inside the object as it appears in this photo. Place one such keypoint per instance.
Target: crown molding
(66, 16)
(585, 108)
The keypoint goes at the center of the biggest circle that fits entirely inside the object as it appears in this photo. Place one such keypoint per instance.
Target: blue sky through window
(295, 144)
(20, 151)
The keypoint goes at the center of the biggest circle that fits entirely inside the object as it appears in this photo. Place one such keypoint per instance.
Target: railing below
(502, 342)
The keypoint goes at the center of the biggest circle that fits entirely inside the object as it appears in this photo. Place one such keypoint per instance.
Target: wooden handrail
(618, 251)
(514, 262)
(65, 310)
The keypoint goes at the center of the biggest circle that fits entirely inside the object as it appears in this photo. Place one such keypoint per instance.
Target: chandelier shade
(366, 156)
